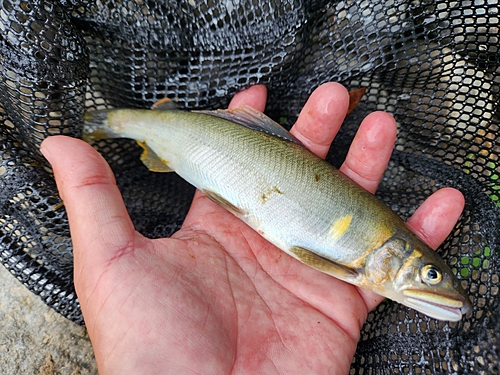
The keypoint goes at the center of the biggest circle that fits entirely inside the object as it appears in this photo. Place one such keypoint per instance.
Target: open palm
(216, 298)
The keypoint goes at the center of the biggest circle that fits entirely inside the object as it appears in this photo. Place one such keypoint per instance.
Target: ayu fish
(257, 170)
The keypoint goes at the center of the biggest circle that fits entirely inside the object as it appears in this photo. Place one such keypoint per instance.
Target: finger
(99, 222)
(321, 117)
(434, 220)
(371, 150)
(255, 96)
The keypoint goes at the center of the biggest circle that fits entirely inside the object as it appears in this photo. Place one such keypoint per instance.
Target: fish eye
(431, 274)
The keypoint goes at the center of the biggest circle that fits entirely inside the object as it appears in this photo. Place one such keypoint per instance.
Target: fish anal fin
(224, 203)
(253, 119)
(152, 161)
(164, 104)
(325, 265)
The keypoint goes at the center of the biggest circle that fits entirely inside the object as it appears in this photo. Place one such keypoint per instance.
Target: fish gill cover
(435, 65)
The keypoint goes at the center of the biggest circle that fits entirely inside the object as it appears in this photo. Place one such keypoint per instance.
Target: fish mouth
(436, 305)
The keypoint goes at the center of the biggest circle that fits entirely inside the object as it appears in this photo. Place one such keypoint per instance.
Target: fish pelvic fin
(152, 161)
(95, 126)
(325, 265)
(224, 203)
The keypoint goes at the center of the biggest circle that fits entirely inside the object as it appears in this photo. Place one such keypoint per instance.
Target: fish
(254, 168)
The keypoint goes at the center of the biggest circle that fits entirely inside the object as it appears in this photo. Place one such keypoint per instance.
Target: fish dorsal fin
(325, 265)
(164, 104)
(253, 119)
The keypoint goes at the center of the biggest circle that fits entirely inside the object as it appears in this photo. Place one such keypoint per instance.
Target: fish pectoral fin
(224, 203)
(325, 265)
(164, 104)
(152, 161)
(253, 119)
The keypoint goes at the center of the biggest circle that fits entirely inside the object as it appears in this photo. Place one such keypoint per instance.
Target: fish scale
(251, 166)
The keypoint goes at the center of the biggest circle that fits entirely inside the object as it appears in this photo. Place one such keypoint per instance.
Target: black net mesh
(435, 65)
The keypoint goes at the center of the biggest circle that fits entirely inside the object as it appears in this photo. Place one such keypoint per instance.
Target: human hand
(216, 298)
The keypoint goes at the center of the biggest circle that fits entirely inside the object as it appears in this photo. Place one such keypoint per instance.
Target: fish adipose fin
(325, 265)
(152, 161)
(253, 119)
(164, 104)
(354, 98)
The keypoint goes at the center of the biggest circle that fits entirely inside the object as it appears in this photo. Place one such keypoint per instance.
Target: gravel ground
(36, 340)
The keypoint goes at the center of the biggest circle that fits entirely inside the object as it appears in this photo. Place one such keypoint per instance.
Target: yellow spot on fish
(265, 196)
(340, 226)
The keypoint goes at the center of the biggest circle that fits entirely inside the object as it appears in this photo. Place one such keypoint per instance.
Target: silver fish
(253, 167)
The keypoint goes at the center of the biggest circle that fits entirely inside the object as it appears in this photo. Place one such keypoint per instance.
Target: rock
(34, 339)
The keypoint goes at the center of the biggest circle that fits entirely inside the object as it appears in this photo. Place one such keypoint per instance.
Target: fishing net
(435, 65)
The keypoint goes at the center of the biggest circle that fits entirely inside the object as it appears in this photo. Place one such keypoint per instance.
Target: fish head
(406, 270)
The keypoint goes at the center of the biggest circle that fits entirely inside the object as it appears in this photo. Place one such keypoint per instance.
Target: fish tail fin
(95, 126)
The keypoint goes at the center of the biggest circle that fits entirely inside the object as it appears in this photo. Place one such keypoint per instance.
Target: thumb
(101, 229)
